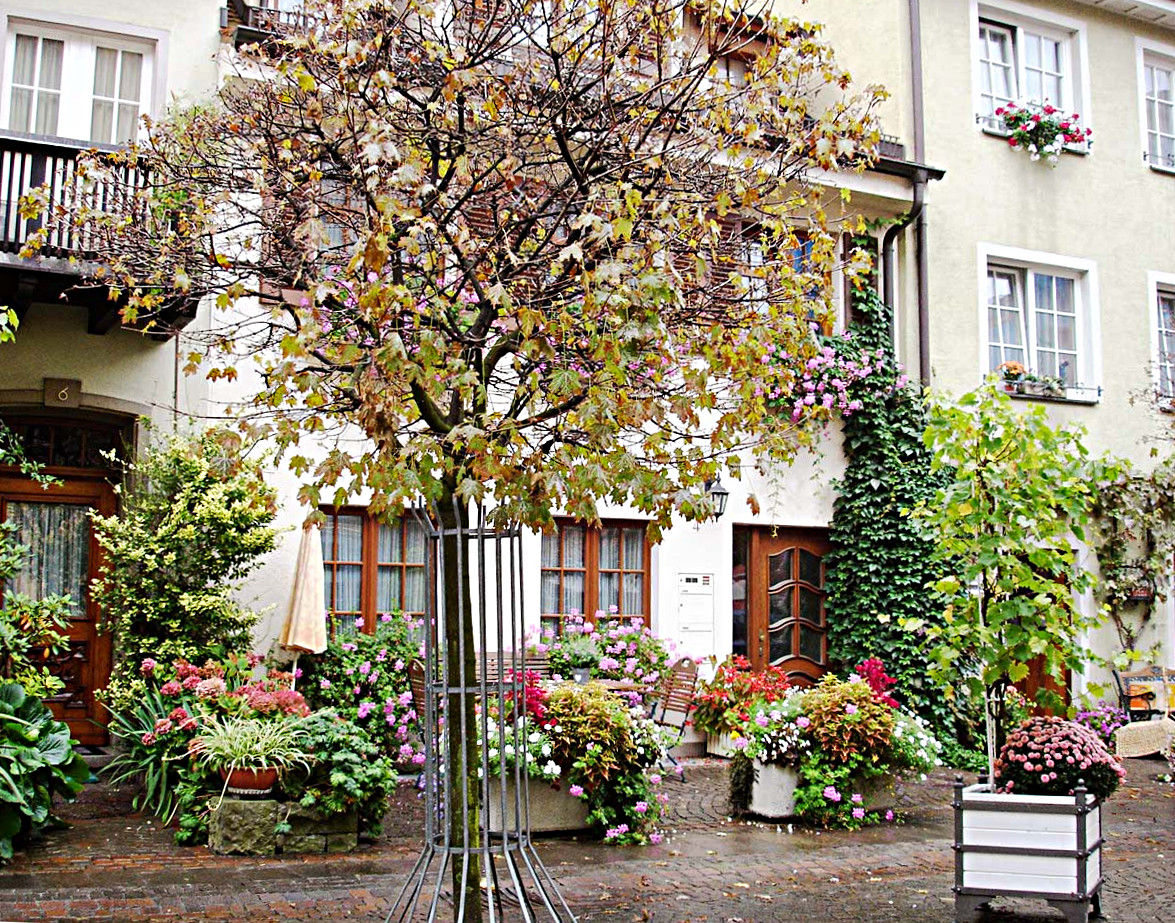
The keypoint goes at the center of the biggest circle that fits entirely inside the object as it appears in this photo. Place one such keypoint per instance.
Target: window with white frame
(1023, 60)
(1036, 319)
(1165, 365)
(1159, 99)
(75, 84)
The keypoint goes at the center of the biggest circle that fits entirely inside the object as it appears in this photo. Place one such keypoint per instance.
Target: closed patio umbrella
(305, 625)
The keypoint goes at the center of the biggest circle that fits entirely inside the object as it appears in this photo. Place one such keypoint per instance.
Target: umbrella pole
(294, 671)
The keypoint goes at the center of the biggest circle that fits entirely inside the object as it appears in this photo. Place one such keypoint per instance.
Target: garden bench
(1139, 692)
(676, 700)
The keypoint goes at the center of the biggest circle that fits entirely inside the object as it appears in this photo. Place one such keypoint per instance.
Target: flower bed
(611, 647)
(842, 741)
(584, 741)
(190, 718)
(722, 706)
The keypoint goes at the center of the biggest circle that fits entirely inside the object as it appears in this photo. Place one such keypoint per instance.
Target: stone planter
(773, 793)
(1032, 846)
(720, 744)
(249, 828)
(550, 810)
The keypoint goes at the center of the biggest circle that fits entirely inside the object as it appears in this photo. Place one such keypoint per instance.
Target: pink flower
(889, 815)
(148, 739)
(324, 684)
(576, 791)
(655, 838)
(365, 709)
(850, 709)
(856, 799)
(171, 687)
(641, 807)
(832, 794)
(192, 681)
(163, 725)
(654, 779)
(803, 721)
(858, 813)
(147, 667)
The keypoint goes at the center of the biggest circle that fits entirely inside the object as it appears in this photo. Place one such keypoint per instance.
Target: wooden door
(63, 557)
(786, 617)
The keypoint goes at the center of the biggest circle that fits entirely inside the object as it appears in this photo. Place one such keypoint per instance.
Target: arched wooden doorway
(53, 523)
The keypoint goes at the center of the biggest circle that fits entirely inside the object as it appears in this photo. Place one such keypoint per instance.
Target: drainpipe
(917, 213)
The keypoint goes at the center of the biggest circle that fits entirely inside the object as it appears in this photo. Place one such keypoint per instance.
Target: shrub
(37, 761)
(1047, 756)
(365, 679)
(848, 723)
(30, 629)
(723, 705)
(347, 770)
(606, 750)
(194, 518)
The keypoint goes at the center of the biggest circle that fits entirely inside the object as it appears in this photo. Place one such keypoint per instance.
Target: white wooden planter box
(720, 744)
(1042, 846)
(774, 791)
(550, 810)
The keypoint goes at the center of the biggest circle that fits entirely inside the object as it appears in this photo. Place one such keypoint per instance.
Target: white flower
(551, 769)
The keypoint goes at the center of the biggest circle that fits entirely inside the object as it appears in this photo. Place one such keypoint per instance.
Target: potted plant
(1042, 130)
(776, 742)
(1018, 493)
(722, 706)
(1037, 830)
(249, 753)
(581, 652)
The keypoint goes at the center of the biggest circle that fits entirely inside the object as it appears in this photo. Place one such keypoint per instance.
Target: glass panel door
(57, 541)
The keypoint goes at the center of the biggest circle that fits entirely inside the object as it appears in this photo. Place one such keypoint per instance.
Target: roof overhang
(1156, 12)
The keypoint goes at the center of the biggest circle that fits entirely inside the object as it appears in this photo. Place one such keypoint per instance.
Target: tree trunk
(461, 756)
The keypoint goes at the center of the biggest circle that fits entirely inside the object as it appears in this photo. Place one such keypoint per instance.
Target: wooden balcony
(58, 275)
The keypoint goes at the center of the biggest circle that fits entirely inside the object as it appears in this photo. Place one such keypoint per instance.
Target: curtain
(57, 536)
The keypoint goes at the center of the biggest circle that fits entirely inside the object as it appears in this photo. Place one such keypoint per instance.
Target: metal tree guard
(514, 885)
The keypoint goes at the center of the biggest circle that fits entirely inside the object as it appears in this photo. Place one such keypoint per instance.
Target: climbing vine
(1135, 547)
(880, 568)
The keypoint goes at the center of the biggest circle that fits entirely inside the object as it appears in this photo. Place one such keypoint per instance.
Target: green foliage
(37, 761)
(145, 753)
(365, 679)
(1135, 548)
(30, 629)
(880, 565)
(1020, 493)
(848, 724)
(194, 518)
(607, 749)
(347, 769)
(742, 780)
(227, 743)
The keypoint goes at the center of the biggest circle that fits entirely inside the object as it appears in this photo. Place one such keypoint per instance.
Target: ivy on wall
(1135, 548)
(880, 568)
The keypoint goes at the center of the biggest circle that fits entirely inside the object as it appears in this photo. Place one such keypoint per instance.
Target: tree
(541, 254)
(1021, 494)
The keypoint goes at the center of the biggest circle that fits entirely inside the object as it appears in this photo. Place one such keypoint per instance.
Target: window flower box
(1031, 846)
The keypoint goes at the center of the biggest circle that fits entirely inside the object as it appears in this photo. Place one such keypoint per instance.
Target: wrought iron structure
(467, 855)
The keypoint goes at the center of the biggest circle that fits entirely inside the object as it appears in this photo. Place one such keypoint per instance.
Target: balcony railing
(29, 162)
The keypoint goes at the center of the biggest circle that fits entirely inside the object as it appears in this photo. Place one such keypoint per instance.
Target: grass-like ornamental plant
(226, 744)
(1047, 756)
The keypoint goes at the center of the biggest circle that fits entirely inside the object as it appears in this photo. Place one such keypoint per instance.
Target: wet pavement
(115, 865)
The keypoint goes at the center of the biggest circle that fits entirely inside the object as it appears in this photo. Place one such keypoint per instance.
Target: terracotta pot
(250, 781)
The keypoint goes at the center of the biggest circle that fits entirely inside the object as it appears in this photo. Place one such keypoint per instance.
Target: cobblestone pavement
(113, 865)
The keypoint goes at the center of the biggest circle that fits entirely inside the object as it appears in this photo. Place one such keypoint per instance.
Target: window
(74, 84)
(1039, 310)
(1158, 78)
(1021, 60)
(585, 570)
(372, 568)
(1165, 365)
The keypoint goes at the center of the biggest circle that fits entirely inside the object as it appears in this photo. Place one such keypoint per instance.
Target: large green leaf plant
(1008, 527)
(37, 761)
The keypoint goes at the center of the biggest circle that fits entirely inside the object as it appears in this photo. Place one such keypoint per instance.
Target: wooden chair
(676, 701)
(1137, 700)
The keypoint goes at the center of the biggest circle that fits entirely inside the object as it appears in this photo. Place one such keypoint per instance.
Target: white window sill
(1082, 394)
(1161, 168)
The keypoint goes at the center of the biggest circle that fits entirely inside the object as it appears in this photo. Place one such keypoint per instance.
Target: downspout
(917, 213)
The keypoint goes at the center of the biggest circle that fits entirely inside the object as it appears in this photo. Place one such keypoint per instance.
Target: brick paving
(114, 865)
